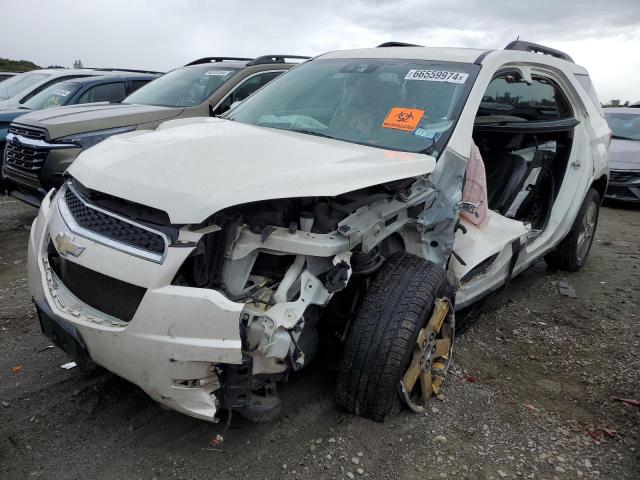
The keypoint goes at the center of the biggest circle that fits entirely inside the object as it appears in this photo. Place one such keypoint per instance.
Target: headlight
(89, 139)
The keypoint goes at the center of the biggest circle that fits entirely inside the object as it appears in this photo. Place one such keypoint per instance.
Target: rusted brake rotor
(431, 357)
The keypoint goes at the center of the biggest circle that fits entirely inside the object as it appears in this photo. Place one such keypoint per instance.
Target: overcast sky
(603, 36)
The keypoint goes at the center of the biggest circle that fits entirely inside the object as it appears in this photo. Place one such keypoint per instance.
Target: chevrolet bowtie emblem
(66, 246)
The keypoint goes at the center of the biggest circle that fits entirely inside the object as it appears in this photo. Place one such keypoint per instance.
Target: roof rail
(266, 59)
(128, 70)
(216, 60)
(398, 44)
(525, 46)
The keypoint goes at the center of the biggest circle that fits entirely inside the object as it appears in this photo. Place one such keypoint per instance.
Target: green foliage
(616, 102)
(7, 65)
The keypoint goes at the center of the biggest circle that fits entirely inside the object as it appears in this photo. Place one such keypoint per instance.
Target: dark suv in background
(41, 145)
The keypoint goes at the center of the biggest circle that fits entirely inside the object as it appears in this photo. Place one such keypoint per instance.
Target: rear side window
(509, 95)
(108, 92)
(136, 84)
(585, 81)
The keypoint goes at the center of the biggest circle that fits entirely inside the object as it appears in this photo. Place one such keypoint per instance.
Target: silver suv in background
(624, 154)
(205, 87)
(5, 75)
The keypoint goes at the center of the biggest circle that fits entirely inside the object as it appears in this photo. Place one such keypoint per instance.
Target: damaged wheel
(572, 252)
(380, 342)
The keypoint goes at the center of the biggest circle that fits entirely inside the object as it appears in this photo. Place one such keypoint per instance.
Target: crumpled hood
(63, 121)
(624, 154)
(194, 170)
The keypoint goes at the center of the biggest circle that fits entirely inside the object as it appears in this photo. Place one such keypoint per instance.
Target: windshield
(407, 105)
(183, 87)
(54, 96)
(624, 125)
(14, 85)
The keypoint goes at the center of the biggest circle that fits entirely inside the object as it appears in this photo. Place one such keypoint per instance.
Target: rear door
(521, 107)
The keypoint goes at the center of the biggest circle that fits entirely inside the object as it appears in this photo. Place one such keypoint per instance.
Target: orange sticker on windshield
(406, 119)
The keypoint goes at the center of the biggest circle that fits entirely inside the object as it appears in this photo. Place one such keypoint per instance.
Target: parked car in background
(209, 259)
(91, 89)
(624, 154)
(204, 87)
(15, 91)
(5, 75)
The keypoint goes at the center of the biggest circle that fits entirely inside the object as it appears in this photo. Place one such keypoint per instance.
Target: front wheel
(572, 252)
(383, 336)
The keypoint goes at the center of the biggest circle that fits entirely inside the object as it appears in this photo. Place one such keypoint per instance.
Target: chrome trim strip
(37, 144)
(103, 240)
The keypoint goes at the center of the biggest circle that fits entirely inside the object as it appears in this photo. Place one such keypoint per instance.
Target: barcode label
(436, 76)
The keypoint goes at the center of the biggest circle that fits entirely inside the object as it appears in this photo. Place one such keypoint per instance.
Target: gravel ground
(532, 393)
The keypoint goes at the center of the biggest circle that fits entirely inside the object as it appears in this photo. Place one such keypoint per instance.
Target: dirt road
(531, 394)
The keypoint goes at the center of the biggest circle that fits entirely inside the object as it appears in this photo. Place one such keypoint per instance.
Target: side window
(510, 95)
(136, 84)
(243, 90)
(251, 85)
(108, 92)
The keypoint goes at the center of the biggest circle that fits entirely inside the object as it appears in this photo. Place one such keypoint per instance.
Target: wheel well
(600, 186)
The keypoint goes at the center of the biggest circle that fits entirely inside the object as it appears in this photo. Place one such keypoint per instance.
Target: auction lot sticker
(216, 73)
(436, 76)
(406, 119)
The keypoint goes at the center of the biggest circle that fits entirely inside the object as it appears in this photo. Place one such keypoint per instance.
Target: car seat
(363, 106)
(506, 181)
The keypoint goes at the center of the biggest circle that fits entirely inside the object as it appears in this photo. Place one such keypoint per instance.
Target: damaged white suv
(333, 210)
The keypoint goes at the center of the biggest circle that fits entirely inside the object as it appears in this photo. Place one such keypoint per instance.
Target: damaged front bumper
(171, 346)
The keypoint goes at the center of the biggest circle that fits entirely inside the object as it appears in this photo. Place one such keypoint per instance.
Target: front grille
(27, 132)
(107, 294)
(112, 227)
(622, 177)
(23, 164)
(621, 192)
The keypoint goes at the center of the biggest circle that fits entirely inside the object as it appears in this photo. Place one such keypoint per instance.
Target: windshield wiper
(429, 149)
(621, 137)
(311, 132)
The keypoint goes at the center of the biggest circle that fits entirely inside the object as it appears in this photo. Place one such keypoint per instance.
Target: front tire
(572, 252)
(381, 338)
